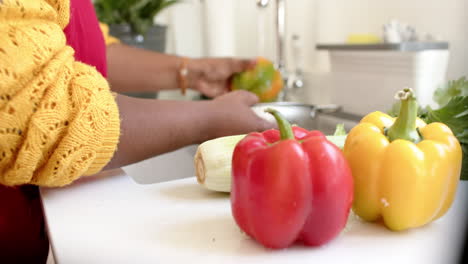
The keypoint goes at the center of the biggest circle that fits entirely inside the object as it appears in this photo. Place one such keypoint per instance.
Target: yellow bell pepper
(405, 172)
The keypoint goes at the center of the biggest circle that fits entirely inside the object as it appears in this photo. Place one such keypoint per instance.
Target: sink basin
(311, 117)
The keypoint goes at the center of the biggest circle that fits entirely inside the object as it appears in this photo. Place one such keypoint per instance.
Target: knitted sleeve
(58, 118)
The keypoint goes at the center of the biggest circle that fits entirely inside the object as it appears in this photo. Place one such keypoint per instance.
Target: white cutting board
(112, 219)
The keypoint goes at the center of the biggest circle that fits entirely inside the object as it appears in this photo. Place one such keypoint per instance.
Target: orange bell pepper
(263, 80)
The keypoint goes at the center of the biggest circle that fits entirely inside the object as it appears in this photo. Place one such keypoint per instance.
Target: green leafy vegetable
(455, 115)
(464, 171)
(453, 88)
(340, 130)
(339, 137)
(441, 96)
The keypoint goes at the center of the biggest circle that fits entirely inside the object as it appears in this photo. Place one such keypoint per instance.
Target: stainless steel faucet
(280, 34)
(291, 81)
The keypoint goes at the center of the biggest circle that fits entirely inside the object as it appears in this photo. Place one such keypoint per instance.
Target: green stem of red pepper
(404, 126)
(284, 126)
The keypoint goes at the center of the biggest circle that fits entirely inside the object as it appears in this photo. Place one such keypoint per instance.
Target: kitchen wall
(314, 21)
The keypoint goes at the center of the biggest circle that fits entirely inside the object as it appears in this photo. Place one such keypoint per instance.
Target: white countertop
(113, 219)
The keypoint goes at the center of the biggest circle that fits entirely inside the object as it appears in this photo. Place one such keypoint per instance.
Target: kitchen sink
(311, 117)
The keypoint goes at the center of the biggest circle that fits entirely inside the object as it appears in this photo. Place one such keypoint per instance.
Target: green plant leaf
(340, 130)
(142, 4)
(163, 5)
(464, 170)
(104, 11)
(453, 88)
(455, 115)
(139, 14)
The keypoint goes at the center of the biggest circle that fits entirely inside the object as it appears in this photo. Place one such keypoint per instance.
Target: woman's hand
(211, 76)
(231, 114)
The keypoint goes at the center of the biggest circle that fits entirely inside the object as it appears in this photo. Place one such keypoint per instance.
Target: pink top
(85, 36)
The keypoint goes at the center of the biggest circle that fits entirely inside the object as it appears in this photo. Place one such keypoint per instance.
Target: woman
(60, 121)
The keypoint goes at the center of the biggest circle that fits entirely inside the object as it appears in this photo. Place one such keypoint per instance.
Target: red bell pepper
(290, 185)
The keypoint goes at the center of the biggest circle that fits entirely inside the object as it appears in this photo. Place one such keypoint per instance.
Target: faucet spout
(280, 35)
(280, 31)
(291, 81)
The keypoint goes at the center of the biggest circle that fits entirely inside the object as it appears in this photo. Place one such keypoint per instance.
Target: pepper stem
(404, 126)
(284, 126)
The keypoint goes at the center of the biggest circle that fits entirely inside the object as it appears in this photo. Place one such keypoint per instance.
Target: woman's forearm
(137, 70)
(151, 127)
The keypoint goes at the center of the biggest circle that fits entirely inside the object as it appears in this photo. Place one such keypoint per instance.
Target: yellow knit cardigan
(58, 118)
